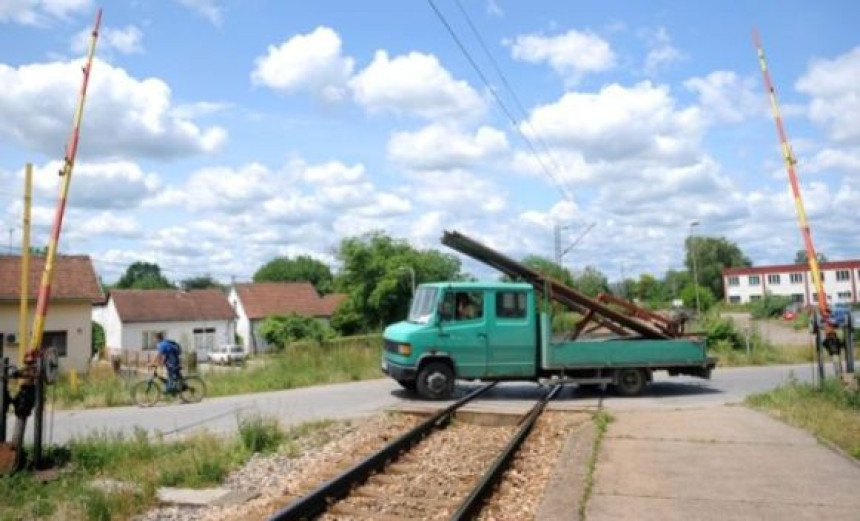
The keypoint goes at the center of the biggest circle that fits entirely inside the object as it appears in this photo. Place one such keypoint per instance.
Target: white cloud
(220, 188)
(124, 116)
(329, 173)
(40, 12)
(571, 55)
(444, 189)
(199, 109)
(108, 224)
(661, 52)
(127, 40)
(620, 123)
(208, 9)
(834, 86)
(312, 61)
(415, 84)
(493, 9)
(828, 159)
(725, 96)
(103, 185)
(440, 147)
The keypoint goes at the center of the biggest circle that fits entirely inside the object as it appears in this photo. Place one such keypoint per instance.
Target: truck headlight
(404, 349)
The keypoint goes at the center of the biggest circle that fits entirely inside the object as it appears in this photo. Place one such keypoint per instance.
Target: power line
(511, 91)
(501, 104)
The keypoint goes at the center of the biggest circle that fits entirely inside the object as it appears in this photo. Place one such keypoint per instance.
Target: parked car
(227, 354)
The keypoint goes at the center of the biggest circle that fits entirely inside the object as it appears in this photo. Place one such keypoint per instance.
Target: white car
(227, 354)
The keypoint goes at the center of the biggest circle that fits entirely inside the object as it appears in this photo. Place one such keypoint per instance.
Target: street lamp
(693, 224)
(411, 271)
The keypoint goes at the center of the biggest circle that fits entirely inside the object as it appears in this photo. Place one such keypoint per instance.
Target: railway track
(423, 474)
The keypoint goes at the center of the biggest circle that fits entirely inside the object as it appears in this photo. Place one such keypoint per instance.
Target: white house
(255, 301)
(840, 279)
(68, 326)
(197, 319)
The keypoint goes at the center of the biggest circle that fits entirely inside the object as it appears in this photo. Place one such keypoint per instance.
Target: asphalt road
(350, 400)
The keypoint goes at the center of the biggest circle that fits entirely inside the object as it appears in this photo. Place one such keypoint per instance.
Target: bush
(260, 434)
(706, 297)
(281, 330)
(721, 332)
(769, 306)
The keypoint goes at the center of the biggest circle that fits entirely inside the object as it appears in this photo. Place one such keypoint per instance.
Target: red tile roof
(263, 299)
(791, 268)
(331, 302)
(74, 278)
(171, 305)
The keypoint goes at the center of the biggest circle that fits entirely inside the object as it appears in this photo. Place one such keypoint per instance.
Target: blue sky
(219, 134)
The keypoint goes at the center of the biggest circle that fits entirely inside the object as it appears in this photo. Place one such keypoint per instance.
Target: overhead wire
(523, 112)
(514, 120)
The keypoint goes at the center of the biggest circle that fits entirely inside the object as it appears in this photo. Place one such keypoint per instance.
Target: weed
(260, 434)
(601, 422)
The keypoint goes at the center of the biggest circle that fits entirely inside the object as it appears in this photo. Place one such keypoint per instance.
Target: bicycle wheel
(193, 389)
(146, 393)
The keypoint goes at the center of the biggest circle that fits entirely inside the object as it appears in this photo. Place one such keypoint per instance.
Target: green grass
(832, 413)
(144, 461)
(764, 354)
(300, 365)
(601, 422)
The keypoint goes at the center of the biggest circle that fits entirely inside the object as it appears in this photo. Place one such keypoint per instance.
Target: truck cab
(469, 330)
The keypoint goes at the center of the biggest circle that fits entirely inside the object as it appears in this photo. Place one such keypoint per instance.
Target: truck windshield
(422, 305)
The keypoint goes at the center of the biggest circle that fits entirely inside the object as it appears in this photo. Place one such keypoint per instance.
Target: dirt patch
(777, 332)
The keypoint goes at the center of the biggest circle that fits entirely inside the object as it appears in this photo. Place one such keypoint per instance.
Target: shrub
(280, 330)
(260, 434)
(769, 306)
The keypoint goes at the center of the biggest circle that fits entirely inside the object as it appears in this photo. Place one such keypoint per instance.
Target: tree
(143, 275)
(590, 281)
(302, 268)
(802, 258)
(706, 298)
(712, 255)
(203, 282)
(376, 275)
(548, 268)
(649, 289)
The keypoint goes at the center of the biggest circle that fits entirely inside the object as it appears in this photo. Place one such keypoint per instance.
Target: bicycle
(189, 389)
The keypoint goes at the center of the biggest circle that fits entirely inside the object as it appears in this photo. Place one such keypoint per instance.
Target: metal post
(695, 273)
(39, 414)
(23, 334)
(4, 395)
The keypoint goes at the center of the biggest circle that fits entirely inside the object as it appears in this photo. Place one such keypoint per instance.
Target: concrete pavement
(718, 463)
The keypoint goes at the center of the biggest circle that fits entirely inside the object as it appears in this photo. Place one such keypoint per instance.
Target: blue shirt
(170, 351)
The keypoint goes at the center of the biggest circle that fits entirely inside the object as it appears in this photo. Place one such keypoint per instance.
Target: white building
(197, 319)
(68, 327)
(840, 279)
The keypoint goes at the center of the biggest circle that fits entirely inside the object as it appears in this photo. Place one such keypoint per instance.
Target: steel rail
(473, 504)
(316, 502)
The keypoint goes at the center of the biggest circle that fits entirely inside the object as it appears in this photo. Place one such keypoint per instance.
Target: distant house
(255, 301)
(197, 319)
(841, 280)
(68, 326)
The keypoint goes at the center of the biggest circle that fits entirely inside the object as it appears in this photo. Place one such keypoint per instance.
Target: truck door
(512, 334)
(463, 331)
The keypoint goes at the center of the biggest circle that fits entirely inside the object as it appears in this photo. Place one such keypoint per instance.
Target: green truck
(495, 331)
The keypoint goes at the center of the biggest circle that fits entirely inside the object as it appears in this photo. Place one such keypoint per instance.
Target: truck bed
(657, 354)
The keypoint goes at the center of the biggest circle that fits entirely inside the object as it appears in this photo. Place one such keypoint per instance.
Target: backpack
(176, 346)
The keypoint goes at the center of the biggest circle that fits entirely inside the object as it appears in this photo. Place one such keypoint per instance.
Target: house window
(733, 281)
(511, 304)
(755, 280)
(843, 275)
(796, 278)
(204, 338)
(57, 340)
(797, 297)
(844, 295)
(773, 278)
(734, 299)
(754, 298)
(150, 343)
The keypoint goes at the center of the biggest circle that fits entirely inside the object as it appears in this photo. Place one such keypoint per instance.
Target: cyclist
(168, 354)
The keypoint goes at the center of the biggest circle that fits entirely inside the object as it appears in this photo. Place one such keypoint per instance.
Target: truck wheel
(435, 381)
(630, 382)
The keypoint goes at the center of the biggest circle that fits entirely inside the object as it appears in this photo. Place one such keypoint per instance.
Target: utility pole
(559, 252)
